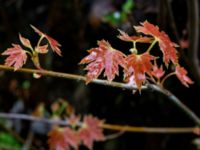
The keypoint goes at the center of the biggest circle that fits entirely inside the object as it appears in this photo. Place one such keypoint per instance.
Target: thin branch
(170, 96)
(115, 135)
(72, 77)
(159, 130)
(164, 130)
(177, 102)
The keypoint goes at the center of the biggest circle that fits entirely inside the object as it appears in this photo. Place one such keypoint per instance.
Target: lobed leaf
(16, 56)
(137, 66)
(181, 74)
(166, 45)
(91, 131)
(157, 72)
(63, 139)
(103, 57)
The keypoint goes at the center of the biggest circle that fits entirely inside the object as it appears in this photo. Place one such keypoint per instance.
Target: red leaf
(138, 65)
(125, 37)
(16, 56)
(91, 131)
(181, 74)
(42, 49)
(25, 41)
(63, 139)
(166, 45)
(53, 43)
(103, 57)
(157, 72)
(184, 43)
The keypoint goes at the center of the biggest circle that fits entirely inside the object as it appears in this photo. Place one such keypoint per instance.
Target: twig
(171, 97)
(149, 129)
(164, 130)
(114, 136)
(177, 102)
(72, 76)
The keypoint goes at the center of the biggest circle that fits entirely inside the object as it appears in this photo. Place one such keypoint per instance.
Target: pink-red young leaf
(166, 45)
(91, 131)
(125, 37)
(181, 74)
(42, 49)
(53, 43)
(16, 56)
(25, 41)
(63, 139)
(157, 72)
(184, 43)
(137, 66)
(103, 57)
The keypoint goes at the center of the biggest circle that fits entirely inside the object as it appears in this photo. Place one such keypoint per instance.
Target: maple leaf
(166, 45)
(25, 41)
(181, 74)
(125, 37)
(53, 43)
(103, 57)
(63, 138)
(157, 72)
(91, 131)
(41, 49)
(16, 56)
(137, 66)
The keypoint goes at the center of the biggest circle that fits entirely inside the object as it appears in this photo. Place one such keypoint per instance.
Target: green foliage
(128, 6)
(118, 17)
(7, 141)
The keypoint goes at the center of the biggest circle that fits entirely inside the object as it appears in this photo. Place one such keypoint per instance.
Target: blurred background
(77, 25)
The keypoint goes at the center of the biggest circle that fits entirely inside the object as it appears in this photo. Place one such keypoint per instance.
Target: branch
(72, 77)
(177, 102)
(193, 54)
(164, 130)
(170, 96)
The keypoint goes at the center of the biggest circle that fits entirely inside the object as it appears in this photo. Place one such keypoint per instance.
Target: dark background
(77, 25)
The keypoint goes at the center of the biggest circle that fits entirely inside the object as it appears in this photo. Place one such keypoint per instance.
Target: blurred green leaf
(128, 6)
(113, 18)
(118, 17)
(8, 142)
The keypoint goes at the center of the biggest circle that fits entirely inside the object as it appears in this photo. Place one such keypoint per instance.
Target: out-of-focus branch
(170, 96)
(167, 16)
(193, 27)
(160, 130)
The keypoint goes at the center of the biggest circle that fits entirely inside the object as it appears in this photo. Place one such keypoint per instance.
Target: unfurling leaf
(53, 43)
(41, 49)
(63, 138)
(25, 41)
(157, 72)
(16, 56)
(181, 74)
(166, 45)
(137, 66)
(125, 37)
(91, 131)
(103, 57)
